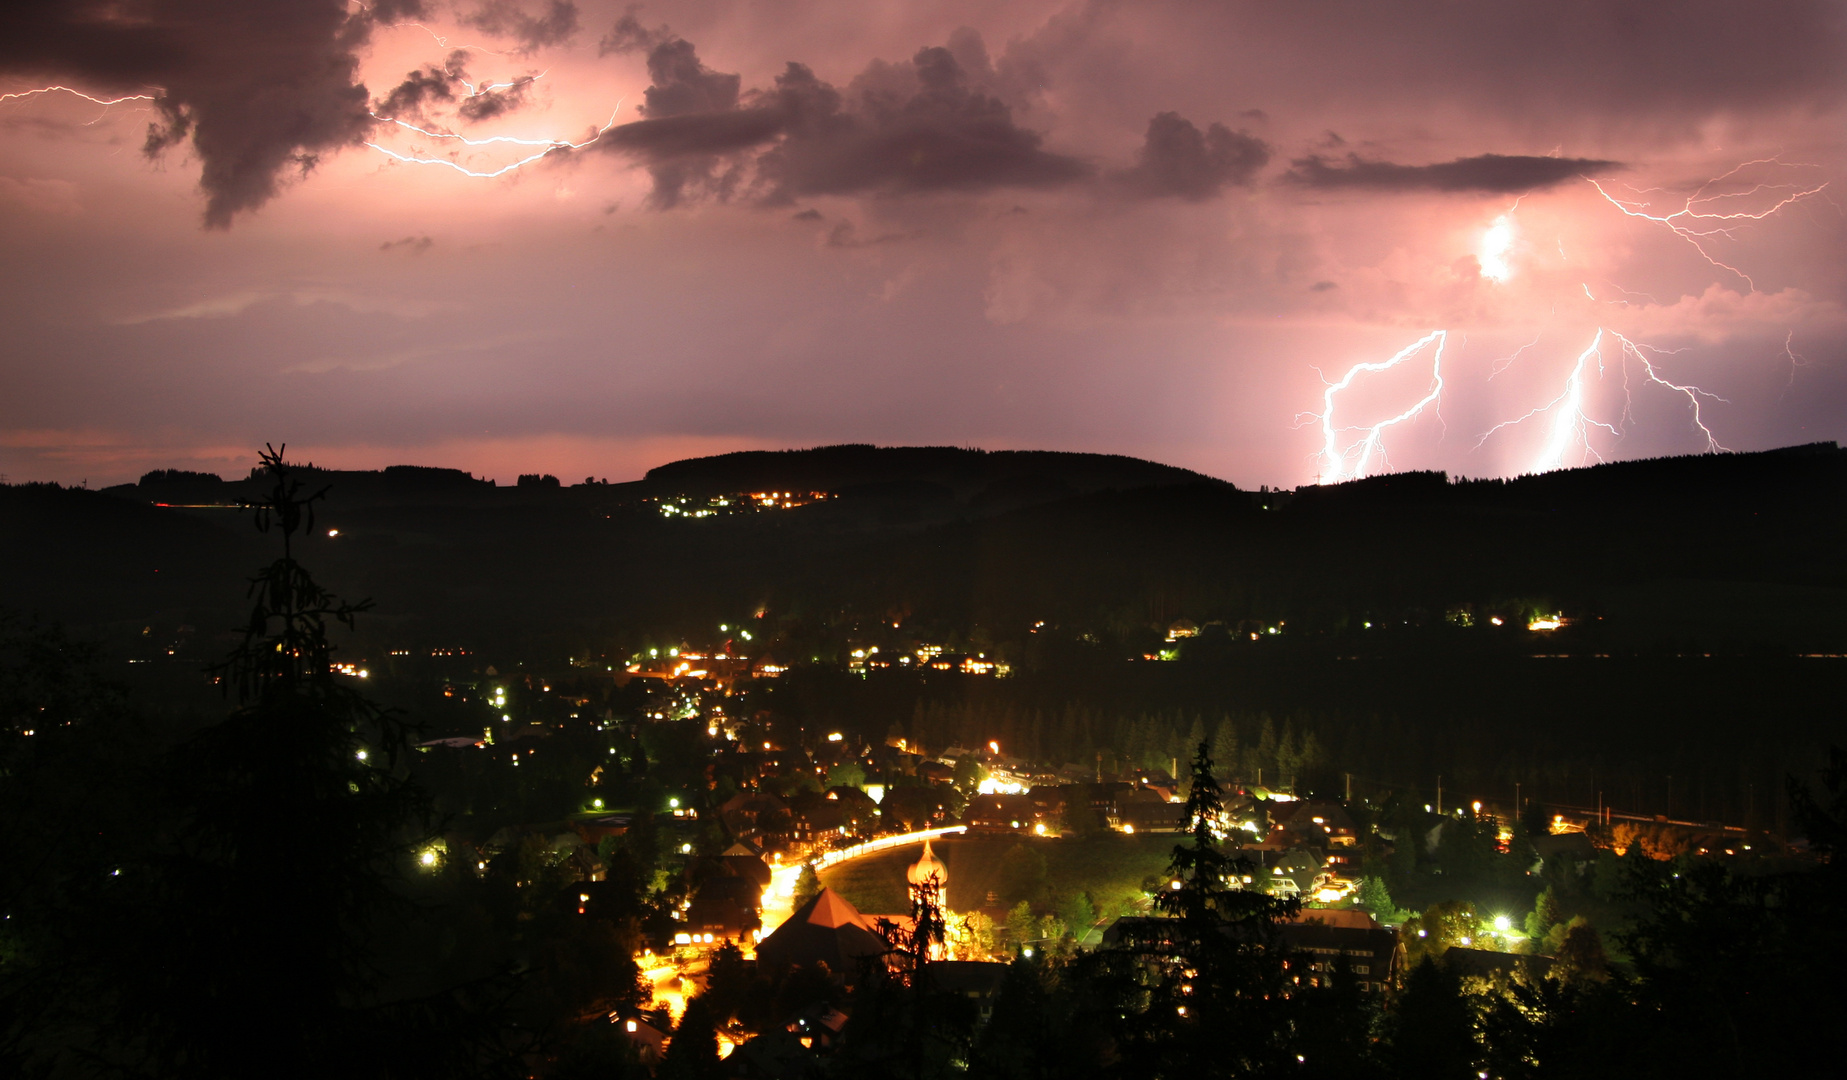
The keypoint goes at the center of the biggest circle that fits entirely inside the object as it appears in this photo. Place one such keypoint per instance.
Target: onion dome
(926, 867)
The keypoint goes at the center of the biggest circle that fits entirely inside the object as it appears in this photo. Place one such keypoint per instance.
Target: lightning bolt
(443, 42)
(1571, 423)
(1692, 393)
(548, 146)
(491, 87)
(1702, 218)
(1796, 359)
(78, 93)
(1505, 362)
(1349, 460)
(104, 102)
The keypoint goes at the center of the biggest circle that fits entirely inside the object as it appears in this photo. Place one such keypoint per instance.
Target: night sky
(1158, 229)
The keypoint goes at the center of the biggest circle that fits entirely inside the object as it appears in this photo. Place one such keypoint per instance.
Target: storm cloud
(259, 91)
(554, 24)
(1044, 230)
(1501, 174)
(1177, 159)
(897, 130)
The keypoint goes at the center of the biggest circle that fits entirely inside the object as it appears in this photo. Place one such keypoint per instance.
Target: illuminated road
(779, 898)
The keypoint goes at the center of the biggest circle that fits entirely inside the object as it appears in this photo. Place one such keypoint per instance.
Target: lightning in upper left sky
(78, 93)
(105, 102)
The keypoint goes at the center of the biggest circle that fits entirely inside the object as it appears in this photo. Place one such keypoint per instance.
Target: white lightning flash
(1349, 458)
(1496, 248)
(547, 146)
(73, 91)
(79, 93)
(1702, 217)
(1571, 421)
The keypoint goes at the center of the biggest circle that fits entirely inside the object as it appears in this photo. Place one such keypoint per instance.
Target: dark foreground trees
(221, 898)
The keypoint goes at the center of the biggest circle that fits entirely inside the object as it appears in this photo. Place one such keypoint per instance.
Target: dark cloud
(911, 129)
(628, 35)
(691, 120)
(1653, 61)
(555, 24)
(810, 214)
(259, 90)
(845, 235)
(944, 136)
(1494, 173)
(434, 84)
(415, 245)
(681, 84)
(423, 87)
(497, 101)
(1177, 159)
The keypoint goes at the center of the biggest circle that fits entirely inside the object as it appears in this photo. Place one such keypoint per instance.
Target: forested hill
(979, 476)
(1729, 552)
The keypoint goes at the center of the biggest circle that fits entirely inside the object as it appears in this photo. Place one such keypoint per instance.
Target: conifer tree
(1225, 744)
(257, 912)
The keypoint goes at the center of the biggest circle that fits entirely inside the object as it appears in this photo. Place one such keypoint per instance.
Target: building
(825, 930)
(1320, 941)
(1000, 814)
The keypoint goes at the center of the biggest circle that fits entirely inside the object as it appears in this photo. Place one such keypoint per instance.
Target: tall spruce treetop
(1199, 868)
(292, 818)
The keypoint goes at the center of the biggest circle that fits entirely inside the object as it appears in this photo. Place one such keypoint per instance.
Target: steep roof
(825, 930)
(829, 909)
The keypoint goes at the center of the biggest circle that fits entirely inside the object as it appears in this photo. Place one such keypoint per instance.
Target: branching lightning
(1569, 423)
(1702, 217)
(1796, 359)
(1708, 214)
(1350, 460)
(104, 102)
(78, 93)
(1692, 393)
(548, 146)
(443, 42)
(1570, 419)
(1508, 361)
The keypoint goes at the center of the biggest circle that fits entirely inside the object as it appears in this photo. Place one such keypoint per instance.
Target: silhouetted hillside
(1729, 552)
(999, 476)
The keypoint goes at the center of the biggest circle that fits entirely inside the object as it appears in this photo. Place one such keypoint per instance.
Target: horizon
(510, 479)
